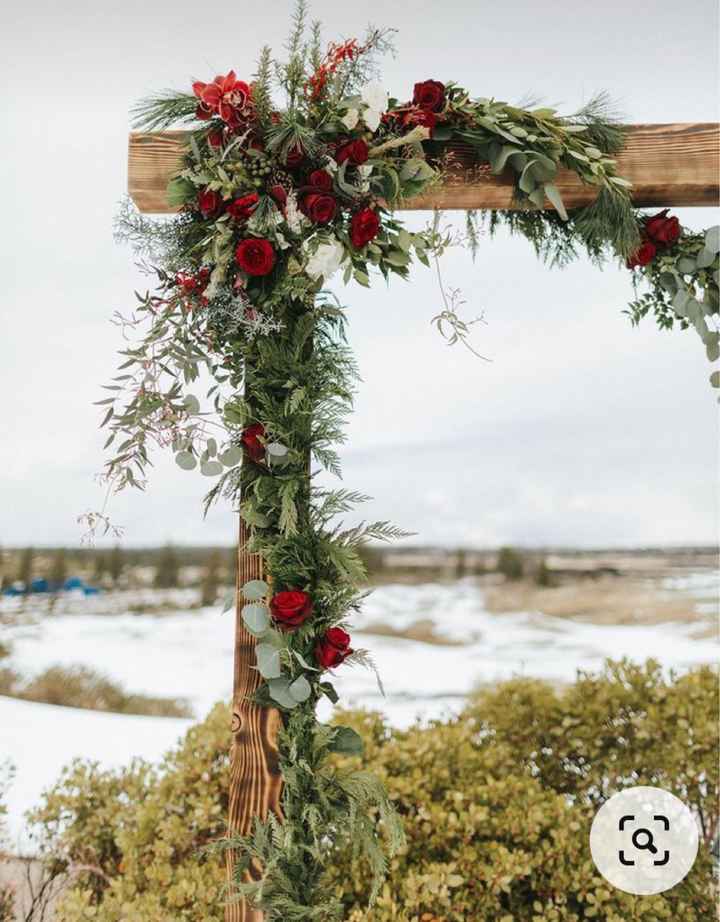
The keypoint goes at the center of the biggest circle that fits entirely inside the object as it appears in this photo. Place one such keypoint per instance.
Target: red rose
(227, 96)
(430, 94)
(319, 207)
(364, 227)
(255, 256)
(333, 648)
(642, 256)
(320, 179)
(290, 608)
(208, 202)
(661, 229)
(423, 117)
(294, 156)
(279, 193)
(243, 207)
(251, 440)
(355, 151)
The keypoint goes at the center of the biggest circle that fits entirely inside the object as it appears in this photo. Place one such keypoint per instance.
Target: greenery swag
(272, 202)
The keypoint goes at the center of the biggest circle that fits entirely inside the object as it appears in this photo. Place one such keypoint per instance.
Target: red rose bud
(242, 208)
(280, 195)
(186, 282)
(430, 95)
(215, 138)
(364, 227)
(333, 649)
(642, 256)
(290, 608)
(251, 440)
(208, 202)
(355, 151)
(319, 207)
(255, 256)
(294, 156)
(320, 179)
(661, 229)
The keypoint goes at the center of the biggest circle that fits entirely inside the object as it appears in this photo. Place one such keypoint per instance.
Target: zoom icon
(644, 840)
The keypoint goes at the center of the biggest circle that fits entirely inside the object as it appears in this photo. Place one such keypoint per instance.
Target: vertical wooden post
(255, 781)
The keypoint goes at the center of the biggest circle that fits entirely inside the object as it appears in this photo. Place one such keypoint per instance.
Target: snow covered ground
(189, 655)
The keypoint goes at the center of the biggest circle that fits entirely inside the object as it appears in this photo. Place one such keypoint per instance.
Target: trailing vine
(272, 201)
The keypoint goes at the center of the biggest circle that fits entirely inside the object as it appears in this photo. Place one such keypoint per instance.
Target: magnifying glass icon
(647, 842)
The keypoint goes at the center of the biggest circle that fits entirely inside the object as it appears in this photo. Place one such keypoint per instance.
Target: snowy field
(189, 655)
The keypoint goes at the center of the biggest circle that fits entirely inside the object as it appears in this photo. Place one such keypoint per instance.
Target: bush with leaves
(496, 804)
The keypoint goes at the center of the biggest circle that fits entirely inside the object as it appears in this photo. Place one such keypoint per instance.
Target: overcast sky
(581, 431)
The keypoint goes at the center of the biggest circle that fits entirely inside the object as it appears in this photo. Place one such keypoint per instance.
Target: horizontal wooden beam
(667, 165)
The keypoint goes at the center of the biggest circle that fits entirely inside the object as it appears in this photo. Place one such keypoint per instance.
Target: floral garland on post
(272, 202)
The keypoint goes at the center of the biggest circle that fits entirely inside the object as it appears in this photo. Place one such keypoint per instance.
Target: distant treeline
(209, 568)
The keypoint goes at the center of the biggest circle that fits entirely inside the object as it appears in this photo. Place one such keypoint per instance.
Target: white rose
(350, 119)
(325, 261)
(375, 98)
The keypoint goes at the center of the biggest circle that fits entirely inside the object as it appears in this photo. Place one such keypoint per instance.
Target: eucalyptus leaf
(712, 348)
(527, 181)
(211, 468)
(268, 661)
(705, 258)
(686, 265)
(679, 303)
(712, 239)
(231, 456)
(256, 618)
(276, 449)
(499, 161)
(280, 692)
(186, 460)
(255, 589)
(229, 601)
(192, 404)
(715, 379)
(300, 689)
(555, 199)
(303, 662)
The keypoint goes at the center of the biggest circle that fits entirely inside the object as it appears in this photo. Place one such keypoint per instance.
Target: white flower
(325, 261)
(375, 98)
(293, 216)
(350, 119)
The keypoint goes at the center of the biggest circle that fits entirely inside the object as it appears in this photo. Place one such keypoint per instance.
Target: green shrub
(497, 807)
(7, 894)
(82, 687)
(510, 563)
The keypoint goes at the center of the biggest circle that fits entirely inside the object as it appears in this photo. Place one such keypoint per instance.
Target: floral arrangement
(272, 202)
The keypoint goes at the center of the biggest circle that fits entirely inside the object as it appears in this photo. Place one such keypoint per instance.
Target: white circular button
(644, 840)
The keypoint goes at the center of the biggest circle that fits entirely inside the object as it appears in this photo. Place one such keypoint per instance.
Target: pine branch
(157, 113)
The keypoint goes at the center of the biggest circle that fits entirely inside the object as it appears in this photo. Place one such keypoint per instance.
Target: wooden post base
(255, 781)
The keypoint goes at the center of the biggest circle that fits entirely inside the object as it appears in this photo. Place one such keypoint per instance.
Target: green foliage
(684, 290)
(82, 687)
(510, 563)
(496, 806)
(168, 568)
(544, 575)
